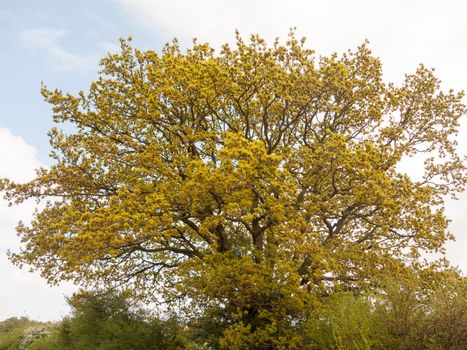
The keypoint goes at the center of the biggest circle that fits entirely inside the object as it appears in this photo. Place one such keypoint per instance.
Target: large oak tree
(251, 180)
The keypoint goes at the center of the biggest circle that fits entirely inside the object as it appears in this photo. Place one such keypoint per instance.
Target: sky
(59, 43)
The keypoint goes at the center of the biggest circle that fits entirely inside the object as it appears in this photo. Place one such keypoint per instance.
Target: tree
(111, 321)
(250, 181)
(411, 309)
(16, 333)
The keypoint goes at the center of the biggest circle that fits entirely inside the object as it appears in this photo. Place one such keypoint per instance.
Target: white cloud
(455, 251)
(67, 61)
(11, 166)
(47, 41)
(403, 33)
(42, 38)
(109, 47)
(22, 293)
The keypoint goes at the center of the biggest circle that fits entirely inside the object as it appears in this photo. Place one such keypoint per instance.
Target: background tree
(404, 313)
(17, 333)
(112, 321)
(250, 181)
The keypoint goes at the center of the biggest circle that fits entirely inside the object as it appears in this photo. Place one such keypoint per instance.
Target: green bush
(406, 313)
(19, 333)
(345, 322)
(112, 322)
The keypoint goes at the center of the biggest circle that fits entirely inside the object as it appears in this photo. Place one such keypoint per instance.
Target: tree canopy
(253, 179)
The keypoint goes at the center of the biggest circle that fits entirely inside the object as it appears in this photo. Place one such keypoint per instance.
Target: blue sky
(60, 43)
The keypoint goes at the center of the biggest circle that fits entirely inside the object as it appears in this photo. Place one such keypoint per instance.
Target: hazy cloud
(403, 33)
(41, 38)
(110, 47)
(47, 42)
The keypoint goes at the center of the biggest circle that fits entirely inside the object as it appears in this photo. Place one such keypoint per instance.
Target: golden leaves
(253, 177)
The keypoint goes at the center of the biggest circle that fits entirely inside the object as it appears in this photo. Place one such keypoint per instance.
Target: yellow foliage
(256, 178)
